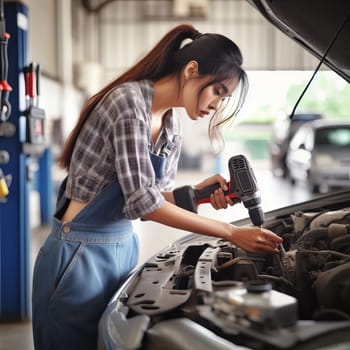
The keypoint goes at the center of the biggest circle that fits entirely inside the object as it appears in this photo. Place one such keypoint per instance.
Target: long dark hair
(217, 56)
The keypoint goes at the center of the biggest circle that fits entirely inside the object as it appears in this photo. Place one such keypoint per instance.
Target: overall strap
(62, 202)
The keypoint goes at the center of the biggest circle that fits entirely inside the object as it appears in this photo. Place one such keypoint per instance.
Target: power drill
(241, 188)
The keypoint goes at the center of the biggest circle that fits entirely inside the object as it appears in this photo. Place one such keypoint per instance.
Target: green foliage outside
(328, 94)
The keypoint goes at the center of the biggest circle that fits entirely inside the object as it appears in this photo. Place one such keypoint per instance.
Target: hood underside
(314, 24)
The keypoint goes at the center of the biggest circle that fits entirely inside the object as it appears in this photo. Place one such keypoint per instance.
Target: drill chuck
(253, 204)
(256, 215)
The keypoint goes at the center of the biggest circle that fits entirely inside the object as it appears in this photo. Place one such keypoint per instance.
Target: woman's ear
(191, 70)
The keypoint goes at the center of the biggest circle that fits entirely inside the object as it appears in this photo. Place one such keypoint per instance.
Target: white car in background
(319, 155)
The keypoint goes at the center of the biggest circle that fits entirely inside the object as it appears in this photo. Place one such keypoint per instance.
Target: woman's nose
(214, 105)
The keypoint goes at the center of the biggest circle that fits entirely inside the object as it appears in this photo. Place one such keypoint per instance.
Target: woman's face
(201, 103)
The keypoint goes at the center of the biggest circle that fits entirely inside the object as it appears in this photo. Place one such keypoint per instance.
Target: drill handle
(203, 195)
(188, 198)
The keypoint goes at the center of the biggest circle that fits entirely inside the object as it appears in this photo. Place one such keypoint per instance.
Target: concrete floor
(16, 336)
(275, 192)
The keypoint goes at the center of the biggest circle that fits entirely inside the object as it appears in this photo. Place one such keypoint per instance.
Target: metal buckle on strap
(166, 148)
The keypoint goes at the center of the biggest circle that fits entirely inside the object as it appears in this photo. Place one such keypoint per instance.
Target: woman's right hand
(218, 199)
(255, 239)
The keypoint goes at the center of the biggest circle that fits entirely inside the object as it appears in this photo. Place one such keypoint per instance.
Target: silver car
(319, 154)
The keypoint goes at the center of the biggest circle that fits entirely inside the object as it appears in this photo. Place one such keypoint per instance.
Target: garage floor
(16, 336)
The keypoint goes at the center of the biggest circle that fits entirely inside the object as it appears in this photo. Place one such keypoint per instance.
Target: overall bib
(80, 266)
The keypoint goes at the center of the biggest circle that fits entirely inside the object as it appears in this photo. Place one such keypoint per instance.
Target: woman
(121, 159)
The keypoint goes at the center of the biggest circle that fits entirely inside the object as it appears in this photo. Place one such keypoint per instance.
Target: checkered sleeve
(131, 133)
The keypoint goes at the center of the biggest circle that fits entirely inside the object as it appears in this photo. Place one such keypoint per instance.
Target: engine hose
(326, 252)
(314, 235)
(331, 232)
(338, 230)
(331, 315)
(341, 244)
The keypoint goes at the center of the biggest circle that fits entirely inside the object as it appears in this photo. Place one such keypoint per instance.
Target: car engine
(205, 293)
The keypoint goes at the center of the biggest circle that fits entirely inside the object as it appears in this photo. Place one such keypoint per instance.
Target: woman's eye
(217, 92)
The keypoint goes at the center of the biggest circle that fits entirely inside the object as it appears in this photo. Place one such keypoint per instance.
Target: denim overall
(80, 266)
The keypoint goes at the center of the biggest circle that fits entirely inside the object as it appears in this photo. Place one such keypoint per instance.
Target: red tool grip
(203, 196)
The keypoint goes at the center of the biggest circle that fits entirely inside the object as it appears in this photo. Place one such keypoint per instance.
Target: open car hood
(314, 24)
(202, 292)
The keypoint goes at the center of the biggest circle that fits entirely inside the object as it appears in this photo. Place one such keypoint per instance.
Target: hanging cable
(291, 116)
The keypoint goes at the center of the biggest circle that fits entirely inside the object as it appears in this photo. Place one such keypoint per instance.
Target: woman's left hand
(218, 199)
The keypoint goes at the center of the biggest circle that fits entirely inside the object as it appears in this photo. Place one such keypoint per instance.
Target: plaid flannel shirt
(114, 145)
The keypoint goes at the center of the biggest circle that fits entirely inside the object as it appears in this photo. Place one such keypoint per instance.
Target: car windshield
(335, 136)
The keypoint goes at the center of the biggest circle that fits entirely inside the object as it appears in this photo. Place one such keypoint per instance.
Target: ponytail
(216, 55)
(155, 65)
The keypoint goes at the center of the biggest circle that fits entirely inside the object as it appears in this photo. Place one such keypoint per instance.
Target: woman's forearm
(174, 216)
(169, 197)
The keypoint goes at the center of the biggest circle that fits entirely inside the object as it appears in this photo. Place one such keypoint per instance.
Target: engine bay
(202, 290)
